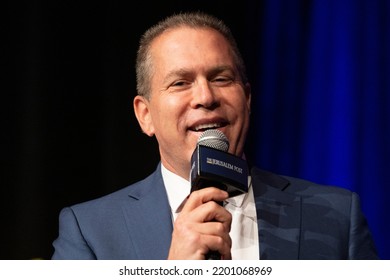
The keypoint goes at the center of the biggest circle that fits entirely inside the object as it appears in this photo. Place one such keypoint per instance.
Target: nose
(204, 96)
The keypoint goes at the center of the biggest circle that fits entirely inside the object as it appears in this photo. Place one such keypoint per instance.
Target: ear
(142, 113)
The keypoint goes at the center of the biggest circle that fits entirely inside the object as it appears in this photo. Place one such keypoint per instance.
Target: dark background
(69, 130)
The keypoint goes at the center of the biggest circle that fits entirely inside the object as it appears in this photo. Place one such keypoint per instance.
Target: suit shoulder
(296, 185)
(307, 187)
(113, 200)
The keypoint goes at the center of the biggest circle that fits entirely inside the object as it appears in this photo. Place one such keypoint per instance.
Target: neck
(182, 172)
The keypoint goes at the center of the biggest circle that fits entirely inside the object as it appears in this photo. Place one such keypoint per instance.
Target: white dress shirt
(244, 231)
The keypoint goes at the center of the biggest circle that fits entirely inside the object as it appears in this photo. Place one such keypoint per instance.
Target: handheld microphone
(213, 166)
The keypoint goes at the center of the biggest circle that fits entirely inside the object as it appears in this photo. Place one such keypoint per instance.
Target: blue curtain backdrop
(323, 106)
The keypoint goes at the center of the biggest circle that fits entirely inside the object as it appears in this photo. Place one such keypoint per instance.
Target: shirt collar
(178, 190)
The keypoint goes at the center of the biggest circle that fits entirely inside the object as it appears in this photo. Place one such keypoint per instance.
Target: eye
(179, 84)
(222, 80)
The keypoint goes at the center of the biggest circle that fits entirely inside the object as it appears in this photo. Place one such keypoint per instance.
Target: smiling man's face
(195, 86)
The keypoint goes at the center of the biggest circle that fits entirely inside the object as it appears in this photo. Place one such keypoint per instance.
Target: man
(190, 78)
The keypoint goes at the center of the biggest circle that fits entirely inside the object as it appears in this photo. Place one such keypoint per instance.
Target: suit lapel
(278, 215)
(148, 218)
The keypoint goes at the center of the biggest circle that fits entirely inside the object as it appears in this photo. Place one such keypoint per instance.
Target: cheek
(175, 106)
(242, 107)
(169, 114)
(242, 110)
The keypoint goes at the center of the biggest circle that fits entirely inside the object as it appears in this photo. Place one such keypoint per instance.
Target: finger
(219, 221)
(221, 244)
(210, 211)
(202, 196)
(195, 245)
(214, 229)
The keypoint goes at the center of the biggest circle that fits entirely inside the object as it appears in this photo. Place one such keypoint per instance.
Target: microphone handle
(214, 255)
(211, 255)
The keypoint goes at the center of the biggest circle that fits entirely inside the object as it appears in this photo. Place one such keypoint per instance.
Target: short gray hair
(144, 64)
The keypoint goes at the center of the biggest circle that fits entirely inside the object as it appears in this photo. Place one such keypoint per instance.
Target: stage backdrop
(323, 111)
(321, 102)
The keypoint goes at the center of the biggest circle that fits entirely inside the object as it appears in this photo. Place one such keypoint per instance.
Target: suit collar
(144, 187)
(151, 228)
(278, 214)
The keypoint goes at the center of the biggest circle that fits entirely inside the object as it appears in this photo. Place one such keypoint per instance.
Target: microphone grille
(214, 138)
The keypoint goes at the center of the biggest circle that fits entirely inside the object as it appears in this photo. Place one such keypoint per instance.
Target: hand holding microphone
(201, 231)
(201, 226)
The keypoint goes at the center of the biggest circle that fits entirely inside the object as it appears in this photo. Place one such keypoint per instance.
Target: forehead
(181, 42)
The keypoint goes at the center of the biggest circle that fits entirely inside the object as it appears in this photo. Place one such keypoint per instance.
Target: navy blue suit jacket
(297, 219)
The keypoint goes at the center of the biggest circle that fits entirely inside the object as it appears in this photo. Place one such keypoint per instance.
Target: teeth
(207, 126)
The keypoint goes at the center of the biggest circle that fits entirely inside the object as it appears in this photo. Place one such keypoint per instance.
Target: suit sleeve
(70, 244)
(361, 244)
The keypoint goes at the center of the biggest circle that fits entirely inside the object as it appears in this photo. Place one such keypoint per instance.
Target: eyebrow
(182, 72)
(177, 73)
(219, 69)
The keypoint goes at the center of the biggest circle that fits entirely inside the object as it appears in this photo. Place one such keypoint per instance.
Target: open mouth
(204, 127)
